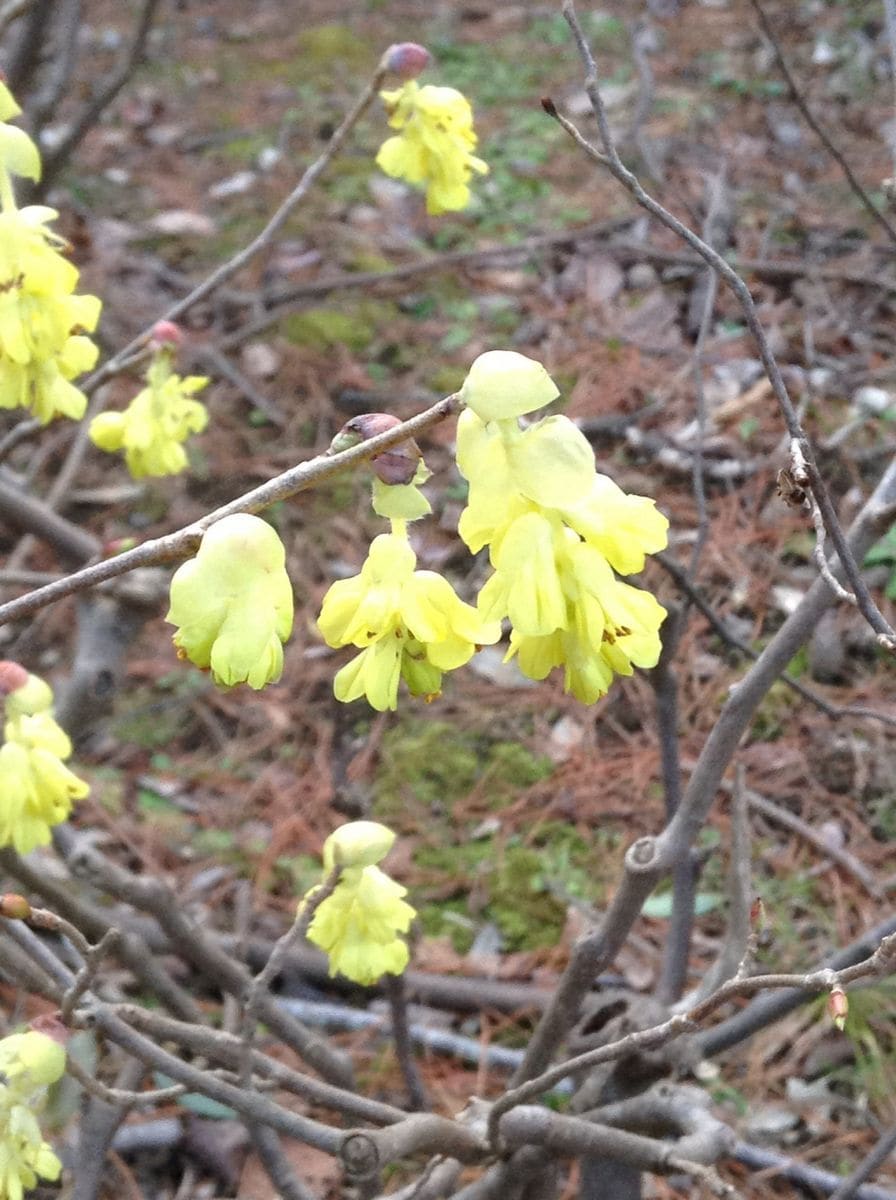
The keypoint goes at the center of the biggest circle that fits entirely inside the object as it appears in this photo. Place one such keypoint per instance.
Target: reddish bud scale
(12, 677)
(757, 914)
(14, 907)
(838, 1006)
(166, 333)
(50, 1025)
(407, 59)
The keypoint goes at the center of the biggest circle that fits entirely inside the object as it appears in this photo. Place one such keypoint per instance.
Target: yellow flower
(623, 528)
(556, 531)
(29, 1062)
(434, 148)
(409, 624)
(512, 471)
(358, 924)
(36, 787)
(610, 628)
(502, 384)
(233, 603)
(357, 844)
(42, 347)
(154, 426)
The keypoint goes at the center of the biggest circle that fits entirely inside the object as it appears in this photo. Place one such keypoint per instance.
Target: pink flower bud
(12, 677)
(407, 59)
(166, 333)
(51, 1026)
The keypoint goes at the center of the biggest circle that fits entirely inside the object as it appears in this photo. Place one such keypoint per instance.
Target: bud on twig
(406, 59)
(12, 677)
(395, 466)
(166, 333)
(14, 907)
(838, 1006)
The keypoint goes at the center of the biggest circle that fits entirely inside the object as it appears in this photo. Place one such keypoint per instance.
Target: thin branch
(264, 239)
(766, 1010)
(817, 128)
(277, 1165)
(805, 1176)
(877, 965)
(650, 858)
(185, 541)
(609, 158)
(836, 712)
(54, 160)
(132, 949)
(875, 1158)
(401, 1038)
(189, 941)
(259, 990)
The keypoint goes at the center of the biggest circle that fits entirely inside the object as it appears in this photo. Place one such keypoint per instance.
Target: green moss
(354, 327)
(332, 45)
(527, 915)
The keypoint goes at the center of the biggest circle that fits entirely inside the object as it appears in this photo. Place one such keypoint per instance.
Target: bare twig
(154, 897)
(132, 949)
(876, 1157)
(258, 992)
(185, 541)
(766, 1010)
(278, 1167)
(609, 158)
(758, 1158)
(732, 958)
(264, 239)
(817, 128)
(877, 965)
(401, 1037)
(54, 160)
(849, 862)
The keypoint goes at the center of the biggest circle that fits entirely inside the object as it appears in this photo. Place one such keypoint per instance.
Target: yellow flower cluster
(42, 322)
(29, 1063)
(233, 603)
(154, 426)
(408, 624)
(36, 787)
(434, 146)
(556, 532)
(358, 925)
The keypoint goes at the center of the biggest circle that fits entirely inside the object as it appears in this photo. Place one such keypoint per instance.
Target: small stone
(642, 276)
(872, 400)
(181, 222)
(234, 185)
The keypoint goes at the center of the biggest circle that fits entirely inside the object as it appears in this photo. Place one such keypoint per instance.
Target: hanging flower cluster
(36, 787)
(556, 533)
(358, 925)
(434, 146)
(157, 422)
(233, 603)
(408, 624)
(42, 322)
(29, 1063)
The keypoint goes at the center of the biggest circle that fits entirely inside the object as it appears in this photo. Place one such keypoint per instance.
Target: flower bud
(838, 1006)
(503, 384)
(233, 603)
(406, 59)
(27, 697)
(358, 844)
(14, 907)
(12, 677)
(166, 333)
